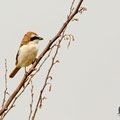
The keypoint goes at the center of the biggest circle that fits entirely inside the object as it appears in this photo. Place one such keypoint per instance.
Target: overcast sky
(86, 82)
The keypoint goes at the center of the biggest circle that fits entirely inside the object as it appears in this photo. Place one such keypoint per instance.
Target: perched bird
(27, 52)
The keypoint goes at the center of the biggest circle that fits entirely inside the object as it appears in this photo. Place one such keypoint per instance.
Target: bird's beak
(40, 38)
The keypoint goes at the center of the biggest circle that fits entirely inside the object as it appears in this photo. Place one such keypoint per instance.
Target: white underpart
(27, 53)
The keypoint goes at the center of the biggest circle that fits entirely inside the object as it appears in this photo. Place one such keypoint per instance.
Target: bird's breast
(27, 53)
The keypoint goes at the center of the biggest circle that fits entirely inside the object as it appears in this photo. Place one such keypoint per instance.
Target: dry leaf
(68, 44)
(40, 104)
(57, 61)
(66, 38)
(50, 77)
(50, 88)
(80, 11)
(84, 9)
(75, 19)
(44, 98)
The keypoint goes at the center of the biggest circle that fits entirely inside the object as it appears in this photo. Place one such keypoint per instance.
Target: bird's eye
(34, 38)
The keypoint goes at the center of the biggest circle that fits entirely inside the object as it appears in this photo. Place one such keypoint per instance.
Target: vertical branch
(31, 104)
(5, 92)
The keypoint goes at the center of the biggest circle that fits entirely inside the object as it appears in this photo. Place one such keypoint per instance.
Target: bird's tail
(13, 73)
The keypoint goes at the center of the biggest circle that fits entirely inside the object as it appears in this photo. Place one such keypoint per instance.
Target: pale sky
(86, 82)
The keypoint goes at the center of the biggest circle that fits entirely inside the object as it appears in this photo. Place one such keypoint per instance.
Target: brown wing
(25, 40)
(17, 58)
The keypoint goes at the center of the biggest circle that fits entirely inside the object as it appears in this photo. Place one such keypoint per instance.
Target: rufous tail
(13, 73)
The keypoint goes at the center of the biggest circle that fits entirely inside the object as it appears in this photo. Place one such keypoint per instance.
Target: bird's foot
(26, 73)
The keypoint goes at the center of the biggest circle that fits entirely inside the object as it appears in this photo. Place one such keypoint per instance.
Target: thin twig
(71, 8)
(52, 64)
(47, 77)
(5, 92)
(31, 104)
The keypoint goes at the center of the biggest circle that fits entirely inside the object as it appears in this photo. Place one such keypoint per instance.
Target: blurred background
(86, 82)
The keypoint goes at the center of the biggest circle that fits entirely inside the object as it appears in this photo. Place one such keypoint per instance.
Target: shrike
(27, 52)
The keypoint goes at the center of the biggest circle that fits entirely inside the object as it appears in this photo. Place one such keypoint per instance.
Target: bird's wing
(17, 58)
(25, 41)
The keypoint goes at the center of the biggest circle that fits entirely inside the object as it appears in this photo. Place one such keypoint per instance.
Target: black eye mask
(34, 38)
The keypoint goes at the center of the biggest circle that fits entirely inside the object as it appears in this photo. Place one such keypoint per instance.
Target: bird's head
(30, 37)
(34, 37)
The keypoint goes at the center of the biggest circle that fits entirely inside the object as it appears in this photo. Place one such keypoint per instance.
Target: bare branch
(5, 92)
(47, 77)
(47, 48)
(32, 94)
(71, 8)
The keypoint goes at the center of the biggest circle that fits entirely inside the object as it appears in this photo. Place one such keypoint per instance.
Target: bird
(27, 52)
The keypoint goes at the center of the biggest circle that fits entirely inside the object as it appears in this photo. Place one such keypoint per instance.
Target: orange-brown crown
(27, 38)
